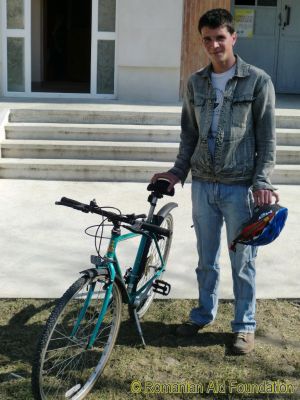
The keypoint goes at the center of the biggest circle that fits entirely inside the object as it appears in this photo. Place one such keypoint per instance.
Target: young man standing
(228, 142)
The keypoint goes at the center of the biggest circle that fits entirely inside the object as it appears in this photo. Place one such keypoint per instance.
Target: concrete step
(145, 115)
(288, 155)
(89, 150)
(81, 170)
(81, 150)
(103, 132)
(287, 119)
(288, 137)
(286, 175)
(133, 115)
(116, 132)
(108, 170)
(107, 143)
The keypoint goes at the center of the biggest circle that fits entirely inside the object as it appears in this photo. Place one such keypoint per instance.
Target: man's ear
(234, 38)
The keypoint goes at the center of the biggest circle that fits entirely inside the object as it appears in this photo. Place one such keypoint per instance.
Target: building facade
(134, 50)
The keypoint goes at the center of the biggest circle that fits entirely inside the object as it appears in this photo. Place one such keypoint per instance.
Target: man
(228, 142)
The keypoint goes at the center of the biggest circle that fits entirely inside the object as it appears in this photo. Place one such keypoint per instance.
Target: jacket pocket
(242, 111)
(199, 100)
(199, 106)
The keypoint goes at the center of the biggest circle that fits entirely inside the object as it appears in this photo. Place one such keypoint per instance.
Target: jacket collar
(241, 70)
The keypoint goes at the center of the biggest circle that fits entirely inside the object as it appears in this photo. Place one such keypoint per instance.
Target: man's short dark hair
(215, 18)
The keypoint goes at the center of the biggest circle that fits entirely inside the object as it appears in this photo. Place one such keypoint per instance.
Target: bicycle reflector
(265, 226)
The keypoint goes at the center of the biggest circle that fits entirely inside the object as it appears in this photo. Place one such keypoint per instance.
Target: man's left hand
(265, 196)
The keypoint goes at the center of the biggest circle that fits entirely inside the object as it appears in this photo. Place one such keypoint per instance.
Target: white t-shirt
(219, 83)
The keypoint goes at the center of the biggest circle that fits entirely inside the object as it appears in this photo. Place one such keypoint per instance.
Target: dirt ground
(169, 367)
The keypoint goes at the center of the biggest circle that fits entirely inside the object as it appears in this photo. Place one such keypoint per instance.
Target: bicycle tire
(150, 263)
(64, 368)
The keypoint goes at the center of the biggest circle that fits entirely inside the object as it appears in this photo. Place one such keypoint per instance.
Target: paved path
(43, 246)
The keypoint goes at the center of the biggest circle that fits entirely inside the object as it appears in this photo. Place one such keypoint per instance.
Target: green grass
(205, 359)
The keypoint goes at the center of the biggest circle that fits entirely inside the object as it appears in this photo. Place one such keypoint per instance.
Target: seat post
(152, 199)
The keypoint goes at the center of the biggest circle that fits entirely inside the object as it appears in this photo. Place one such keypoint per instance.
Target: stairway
(111, 145)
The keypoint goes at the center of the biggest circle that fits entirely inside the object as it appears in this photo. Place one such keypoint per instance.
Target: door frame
(17, 33)
(26, 34)
(95, 36)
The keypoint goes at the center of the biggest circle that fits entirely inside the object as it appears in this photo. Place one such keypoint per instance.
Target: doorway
(288, 80)
(274, 42)
(65, 47)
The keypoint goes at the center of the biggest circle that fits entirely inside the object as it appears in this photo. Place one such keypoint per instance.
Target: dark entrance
(66, 46)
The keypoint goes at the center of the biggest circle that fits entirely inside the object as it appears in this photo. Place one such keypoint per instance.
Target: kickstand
(138, 325)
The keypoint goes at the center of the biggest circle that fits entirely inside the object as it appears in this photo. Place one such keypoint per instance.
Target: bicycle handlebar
(113, 217)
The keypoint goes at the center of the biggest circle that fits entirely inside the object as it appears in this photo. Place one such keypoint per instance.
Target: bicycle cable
(101, 226)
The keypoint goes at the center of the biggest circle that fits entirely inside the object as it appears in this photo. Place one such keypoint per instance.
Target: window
(268, 3)
(261, 3)
(245, 2)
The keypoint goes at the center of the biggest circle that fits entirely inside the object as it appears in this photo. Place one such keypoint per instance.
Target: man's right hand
(173, 179)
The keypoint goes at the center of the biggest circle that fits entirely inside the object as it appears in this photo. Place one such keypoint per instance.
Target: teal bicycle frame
(111, 268)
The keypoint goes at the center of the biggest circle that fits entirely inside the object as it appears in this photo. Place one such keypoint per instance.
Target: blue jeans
(214, 203)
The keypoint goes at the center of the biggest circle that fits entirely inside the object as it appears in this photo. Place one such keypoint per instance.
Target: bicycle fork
(94, 273)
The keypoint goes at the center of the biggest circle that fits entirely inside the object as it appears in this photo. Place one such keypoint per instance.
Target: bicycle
(80, 333)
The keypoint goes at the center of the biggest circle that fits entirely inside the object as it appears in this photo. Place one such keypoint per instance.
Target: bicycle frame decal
(111, 251)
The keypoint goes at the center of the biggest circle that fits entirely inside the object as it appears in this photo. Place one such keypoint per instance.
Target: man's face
(218, 43)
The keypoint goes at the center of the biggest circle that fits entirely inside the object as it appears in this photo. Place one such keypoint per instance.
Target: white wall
(149, 49)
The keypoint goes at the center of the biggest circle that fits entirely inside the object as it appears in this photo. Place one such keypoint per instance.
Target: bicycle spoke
(67, 365)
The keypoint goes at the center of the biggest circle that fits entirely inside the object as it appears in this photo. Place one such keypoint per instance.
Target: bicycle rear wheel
(151, 263)
(64, 368)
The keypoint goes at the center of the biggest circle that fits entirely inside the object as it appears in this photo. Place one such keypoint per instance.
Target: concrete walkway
(43, 246)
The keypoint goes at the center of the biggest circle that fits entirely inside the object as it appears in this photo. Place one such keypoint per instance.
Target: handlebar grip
(65, 201)
(156, 229)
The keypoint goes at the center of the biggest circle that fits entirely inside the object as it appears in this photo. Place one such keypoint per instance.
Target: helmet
(264, 226)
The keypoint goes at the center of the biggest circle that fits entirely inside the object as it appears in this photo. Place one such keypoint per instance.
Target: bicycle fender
(164, 211)
(94, 272)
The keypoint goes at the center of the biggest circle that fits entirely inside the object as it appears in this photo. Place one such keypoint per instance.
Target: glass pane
(106, 66)
(15, 65)
(106, 15)
(244, 2)
(269, 3)
(15, 14)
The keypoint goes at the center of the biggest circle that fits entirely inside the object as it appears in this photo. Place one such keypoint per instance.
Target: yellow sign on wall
(244, 22)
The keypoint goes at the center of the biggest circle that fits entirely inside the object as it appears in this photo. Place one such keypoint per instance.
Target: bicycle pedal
(161, 287)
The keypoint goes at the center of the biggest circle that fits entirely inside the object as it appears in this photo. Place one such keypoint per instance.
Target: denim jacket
(245, 146)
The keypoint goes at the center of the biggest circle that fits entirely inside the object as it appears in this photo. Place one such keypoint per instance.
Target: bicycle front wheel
(64, 367)
(151, 263)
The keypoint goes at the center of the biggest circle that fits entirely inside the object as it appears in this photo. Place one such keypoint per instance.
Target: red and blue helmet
(265, 226)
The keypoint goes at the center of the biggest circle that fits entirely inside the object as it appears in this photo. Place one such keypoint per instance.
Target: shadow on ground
(208, 353)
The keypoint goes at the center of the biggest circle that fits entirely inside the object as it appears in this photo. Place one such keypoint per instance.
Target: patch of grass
(205, 359)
